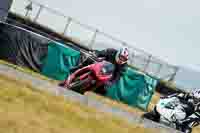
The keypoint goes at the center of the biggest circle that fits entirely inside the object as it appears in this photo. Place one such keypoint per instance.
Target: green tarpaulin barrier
(133, 88)
(59, 61)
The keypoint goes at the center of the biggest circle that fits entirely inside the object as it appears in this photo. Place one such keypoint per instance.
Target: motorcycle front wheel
(185, 129)
(81, 86)
(188, 130)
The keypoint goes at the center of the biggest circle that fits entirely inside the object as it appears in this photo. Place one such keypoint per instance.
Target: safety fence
(91, 37)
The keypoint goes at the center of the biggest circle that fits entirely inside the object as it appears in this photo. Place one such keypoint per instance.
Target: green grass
(25, 110)
(28, 71)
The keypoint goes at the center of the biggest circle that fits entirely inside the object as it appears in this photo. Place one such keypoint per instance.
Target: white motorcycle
(172, 112)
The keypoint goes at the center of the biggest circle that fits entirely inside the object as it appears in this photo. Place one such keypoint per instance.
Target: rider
(194, 118)
(191, 112)
(118, 57)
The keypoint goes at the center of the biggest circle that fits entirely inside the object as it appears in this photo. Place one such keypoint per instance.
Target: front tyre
(80, 86)
(186, 130)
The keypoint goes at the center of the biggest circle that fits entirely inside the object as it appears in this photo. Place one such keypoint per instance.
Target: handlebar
(92, 55)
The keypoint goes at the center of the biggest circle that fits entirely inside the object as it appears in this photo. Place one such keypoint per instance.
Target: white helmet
(122, 56)
(196, 93)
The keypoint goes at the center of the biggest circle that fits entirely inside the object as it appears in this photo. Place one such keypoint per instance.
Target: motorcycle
(174, 113)
(90, 77)
(190, 122)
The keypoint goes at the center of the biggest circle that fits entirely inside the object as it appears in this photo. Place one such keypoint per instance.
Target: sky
(168, 29)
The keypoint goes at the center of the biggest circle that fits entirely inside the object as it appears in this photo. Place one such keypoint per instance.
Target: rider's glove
(108, 84)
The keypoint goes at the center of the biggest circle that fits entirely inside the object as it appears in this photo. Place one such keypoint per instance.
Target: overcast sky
(168, 29)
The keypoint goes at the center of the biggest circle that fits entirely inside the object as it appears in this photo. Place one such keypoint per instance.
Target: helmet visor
(122, 58)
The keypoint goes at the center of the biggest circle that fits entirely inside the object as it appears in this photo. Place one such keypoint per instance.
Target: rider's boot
(153, 115)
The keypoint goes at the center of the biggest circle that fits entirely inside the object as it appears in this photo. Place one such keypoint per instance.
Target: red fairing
(81, 73)
(100, 72)
(96, 68)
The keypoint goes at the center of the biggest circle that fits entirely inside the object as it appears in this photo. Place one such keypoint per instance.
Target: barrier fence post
(93, 39)
(174, 74)
(28, 8)
(147, 64)
(69, 20)
(132, 58)
(38, 13)
(159, 69)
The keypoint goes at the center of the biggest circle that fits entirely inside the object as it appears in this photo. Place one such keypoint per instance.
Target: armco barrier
(91, 37)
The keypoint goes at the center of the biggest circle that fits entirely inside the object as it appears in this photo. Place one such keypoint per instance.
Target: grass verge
(23, 109)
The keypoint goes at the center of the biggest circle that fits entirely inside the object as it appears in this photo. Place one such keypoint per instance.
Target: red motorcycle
(90, 77)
